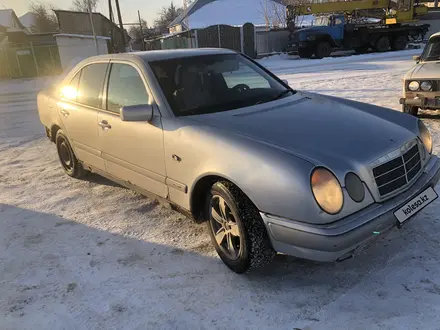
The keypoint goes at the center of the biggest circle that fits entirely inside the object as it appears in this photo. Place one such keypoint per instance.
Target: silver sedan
(270, 169)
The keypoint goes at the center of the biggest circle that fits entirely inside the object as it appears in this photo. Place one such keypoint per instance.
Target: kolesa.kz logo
(414, 206)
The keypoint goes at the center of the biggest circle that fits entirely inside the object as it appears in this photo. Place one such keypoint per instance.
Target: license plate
(415, 205)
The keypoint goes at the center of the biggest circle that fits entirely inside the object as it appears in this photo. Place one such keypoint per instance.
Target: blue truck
(333, 32)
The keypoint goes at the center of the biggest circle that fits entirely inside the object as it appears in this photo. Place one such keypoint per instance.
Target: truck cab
(319, 39)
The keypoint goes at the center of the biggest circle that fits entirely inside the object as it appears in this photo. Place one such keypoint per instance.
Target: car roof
(157, 55)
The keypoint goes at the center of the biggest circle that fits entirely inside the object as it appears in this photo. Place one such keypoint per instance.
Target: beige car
(421, 87)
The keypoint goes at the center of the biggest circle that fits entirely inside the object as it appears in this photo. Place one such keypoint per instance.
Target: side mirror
(142, 112)
(285, 81)
(416, 58)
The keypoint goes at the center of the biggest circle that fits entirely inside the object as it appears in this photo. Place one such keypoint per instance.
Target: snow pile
(233, 12)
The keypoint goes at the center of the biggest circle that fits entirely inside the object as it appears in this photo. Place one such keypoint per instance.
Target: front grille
(397, 172)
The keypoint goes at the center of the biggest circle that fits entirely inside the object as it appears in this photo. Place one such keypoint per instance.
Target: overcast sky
(129, 8)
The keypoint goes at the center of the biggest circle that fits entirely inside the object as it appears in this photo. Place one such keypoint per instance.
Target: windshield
(215, 83)
(432, 50)
(321, 21)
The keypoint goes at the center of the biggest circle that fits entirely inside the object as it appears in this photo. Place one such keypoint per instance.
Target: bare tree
(274, 13)
(166, 16)
(83, 5)
(135, 31)
(45, 19)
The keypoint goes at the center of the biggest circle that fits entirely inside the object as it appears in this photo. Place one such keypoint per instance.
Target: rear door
(132, 151)
(82, 100)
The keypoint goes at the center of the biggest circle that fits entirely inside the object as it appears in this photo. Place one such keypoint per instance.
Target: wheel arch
(200, 190)
(326, 37)
(53, 132)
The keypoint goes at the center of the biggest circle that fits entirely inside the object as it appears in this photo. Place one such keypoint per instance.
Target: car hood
(426, 70)
(319, 129)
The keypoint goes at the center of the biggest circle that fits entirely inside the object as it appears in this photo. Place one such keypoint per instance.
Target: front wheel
(236, 229)
(410, 109)
(323, 49)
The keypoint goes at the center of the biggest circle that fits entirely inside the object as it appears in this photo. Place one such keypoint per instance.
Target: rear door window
(125, 88)
(91, 84)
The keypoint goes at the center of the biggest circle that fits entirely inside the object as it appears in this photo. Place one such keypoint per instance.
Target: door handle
(104, 125)
(65, 113)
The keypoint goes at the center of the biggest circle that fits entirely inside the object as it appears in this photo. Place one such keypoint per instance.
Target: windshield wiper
(280, 95)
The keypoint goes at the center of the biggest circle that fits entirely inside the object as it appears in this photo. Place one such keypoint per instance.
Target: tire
(382, 44)
(72, 167)
(305, 52)
(323, 49)
(399, 43)
(242, 241)
(409, 109)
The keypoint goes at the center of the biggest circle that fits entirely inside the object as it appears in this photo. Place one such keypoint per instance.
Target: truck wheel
(236, 229)
(305, 52)
(70, 163)
(382, 44)
(399, 43)
(409, 109)
(323, 49)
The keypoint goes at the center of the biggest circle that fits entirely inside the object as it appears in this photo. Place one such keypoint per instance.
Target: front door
(132, 151)
(78, 111)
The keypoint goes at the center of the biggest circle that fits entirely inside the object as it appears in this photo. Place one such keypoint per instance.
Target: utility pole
(120, 22)
(93, 27)
(142, 32)
(110, 11)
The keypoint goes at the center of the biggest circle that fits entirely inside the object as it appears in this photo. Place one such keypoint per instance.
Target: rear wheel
(236, 229)
(399, 43)
(382, 44)
(70, 163)
(412, 110)
(305, 52)
(323, 49)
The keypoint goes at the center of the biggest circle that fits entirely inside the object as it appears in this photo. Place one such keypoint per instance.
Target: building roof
(28, 20)
(193, 7)
(113, 24)
(9, 20)
(203, 13)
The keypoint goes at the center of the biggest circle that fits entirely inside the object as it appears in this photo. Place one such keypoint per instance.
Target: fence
(274, 41)
(223, 36)
(28, 60)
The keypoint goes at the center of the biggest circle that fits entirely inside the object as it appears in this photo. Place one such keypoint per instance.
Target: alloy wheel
(225, 228)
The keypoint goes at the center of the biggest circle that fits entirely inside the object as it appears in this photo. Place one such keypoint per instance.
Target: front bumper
(421, 101)
(341, 239)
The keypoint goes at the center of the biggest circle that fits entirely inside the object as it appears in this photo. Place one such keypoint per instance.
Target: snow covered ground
(92, 255)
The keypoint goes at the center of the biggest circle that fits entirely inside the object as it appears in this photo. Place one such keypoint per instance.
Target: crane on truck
(357, 25)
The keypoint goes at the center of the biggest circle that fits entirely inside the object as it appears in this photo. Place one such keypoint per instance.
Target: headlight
(413, 86)
(327, 190)
(425, 136)
(426, 86)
